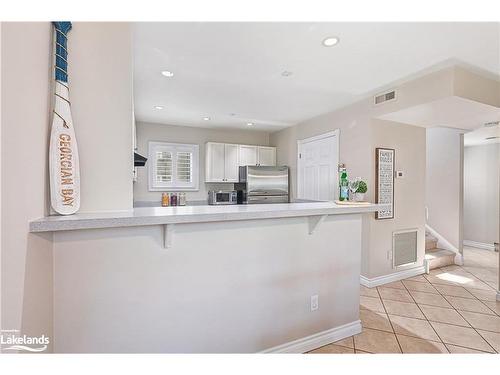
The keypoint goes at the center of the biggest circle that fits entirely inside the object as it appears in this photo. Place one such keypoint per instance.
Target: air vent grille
(382, 98)
(491, 124)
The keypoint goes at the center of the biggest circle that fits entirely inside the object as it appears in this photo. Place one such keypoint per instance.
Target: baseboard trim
(479, 245)
(396, 276)
(317, 340)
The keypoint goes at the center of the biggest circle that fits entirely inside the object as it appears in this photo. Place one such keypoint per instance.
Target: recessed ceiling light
(249, 123)
(330, 41)
(286, 73)
(206, 118)
(158, 107)
(167, 73)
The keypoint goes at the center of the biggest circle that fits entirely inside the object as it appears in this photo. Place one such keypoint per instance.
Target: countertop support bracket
(168, 234)
(315, 221)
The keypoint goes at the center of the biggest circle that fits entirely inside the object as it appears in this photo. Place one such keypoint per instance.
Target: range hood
(139, 160)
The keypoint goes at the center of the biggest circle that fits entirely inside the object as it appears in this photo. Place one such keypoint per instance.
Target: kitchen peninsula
(207, 278)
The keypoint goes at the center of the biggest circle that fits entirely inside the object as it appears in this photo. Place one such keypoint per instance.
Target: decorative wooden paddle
(63, 151)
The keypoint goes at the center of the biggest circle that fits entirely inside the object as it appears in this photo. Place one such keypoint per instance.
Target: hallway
(451, 310)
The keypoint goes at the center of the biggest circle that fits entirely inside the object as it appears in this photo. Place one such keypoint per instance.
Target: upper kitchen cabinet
(248, 155)
(221, 161)
(257, 155)
(266, 156)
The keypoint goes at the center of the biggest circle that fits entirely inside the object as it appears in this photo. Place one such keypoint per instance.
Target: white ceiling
(231, 72)
(478, 137)
(451, 112)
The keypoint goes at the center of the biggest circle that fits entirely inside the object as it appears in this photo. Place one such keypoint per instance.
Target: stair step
(430, 243)
(439, 258)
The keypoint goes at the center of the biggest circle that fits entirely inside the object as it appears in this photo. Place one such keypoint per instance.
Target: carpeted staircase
(435, 256)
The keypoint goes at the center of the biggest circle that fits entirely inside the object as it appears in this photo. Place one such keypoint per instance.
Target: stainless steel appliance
(222, 197)
(259, 184)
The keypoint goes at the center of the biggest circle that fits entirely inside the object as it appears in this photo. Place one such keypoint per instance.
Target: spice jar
(182, 199)
(165, 200)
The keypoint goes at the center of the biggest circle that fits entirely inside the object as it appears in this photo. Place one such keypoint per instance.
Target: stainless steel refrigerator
(259, 184)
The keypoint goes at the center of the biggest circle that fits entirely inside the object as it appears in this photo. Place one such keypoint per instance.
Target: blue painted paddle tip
(63, 26)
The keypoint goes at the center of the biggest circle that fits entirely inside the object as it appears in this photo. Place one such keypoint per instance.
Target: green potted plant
(360, 191)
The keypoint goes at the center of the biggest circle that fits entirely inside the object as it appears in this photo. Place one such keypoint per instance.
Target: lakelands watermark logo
(10, 339)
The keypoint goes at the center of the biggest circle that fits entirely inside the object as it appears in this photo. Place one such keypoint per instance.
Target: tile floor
(451, 310)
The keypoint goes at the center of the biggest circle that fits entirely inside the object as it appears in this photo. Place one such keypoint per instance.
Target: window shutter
(163, 166)
(184, 167)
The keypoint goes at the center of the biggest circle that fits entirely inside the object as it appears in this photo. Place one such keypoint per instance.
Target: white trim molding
(443, 242)
(396, 276)
(479, 245)
(317, 340)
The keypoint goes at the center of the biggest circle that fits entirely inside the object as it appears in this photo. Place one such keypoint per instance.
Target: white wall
(26, 258)
(444, 186)
(230, 287)
(481, 193)
(184, 134)
(409, 193)
(100, 74)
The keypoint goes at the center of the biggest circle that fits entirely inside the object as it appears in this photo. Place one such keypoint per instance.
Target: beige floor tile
(484, 295)
(375, 320)
(362, 352)
(442, 315)
(466, 304)
(454, 291)
(371, 303)
(434, 280)
(368, 292)
(417, 278)
(461, 336)
(420, 287)
(395, 294)
(410, 310)
(413, 327)
(416, 345)
(459, 350)
(493, 339)
(429, 299)
(394, 284)
(374, 341)
(482, 321)
(332, 349)
(495, 306)
(348, 342)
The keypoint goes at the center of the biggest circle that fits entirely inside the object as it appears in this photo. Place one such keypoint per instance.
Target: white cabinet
(231, 163)
(221, 162)
(266, 156)
(248, 155)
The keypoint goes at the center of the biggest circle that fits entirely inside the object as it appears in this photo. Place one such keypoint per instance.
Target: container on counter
(165, 200)
(182, 199)
(173, 199)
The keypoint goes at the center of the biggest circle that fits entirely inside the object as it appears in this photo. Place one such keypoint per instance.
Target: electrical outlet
(314, 302)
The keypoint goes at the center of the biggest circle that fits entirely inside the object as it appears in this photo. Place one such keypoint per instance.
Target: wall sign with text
(384, 181)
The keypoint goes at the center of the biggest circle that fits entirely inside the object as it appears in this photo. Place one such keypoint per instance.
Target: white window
(173, 166)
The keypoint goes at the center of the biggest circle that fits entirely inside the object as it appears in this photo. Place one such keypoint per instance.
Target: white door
(231, 164)
(214, 162)
(267, 156)
(248, 155)
(317, 167)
